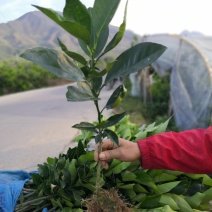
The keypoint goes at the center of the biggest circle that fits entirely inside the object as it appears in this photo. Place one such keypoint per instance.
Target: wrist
(137, 151)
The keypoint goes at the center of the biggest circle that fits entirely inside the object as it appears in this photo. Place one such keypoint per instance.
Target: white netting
(189, 58)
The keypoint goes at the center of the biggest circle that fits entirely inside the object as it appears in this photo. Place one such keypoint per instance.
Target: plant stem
(29, 202)
(98, 111)
(98, 172)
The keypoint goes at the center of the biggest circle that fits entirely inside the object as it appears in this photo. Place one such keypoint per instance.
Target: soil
(107, 201)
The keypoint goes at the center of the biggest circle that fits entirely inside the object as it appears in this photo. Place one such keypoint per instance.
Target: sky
(143, 17)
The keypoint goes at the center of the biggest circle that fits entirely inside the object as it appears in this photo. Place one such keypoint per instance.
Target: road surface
(38, 124)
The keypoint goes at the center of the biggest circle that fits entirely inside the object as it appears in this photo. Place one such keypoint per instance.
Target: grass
(141, 114)
(132, 106)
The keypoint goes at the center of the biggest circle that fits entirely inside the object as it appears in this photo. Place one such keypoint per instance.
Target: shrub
(18, 76)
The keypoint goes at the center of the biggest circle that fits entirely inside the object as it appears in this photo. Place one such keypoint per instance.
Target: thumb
(108, 155)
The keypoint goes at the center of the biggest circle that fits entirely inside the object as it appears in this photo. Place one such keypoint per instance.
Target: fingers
(106, 145)
(104, 164)
(108, 155)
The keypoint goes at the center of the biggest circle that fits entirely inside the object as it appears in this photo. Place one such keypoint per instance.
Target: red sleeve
(188, 151)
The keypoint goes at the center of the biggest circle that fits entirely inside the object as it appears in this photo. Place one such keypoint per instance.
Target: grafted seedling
(91, 27)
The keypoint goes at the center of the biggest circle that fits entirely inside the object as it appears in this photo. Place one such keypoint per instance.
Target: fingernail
(102, 156)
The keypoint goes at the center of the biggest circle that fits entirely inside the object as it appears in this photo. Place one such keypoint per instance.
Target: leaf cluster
(91, 28)
(64, 182)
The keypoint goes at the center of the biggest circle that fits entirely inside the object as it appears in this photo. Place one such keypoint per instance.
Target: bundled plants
(66, 182)
(63, 183)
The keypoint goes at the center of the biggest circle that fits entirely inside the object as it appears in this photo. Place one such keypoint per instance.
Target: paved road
(37, 124)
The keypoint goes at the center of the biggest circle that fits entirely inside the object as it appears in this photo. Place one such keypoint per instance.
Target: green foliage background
(16, 76)
(155, 111)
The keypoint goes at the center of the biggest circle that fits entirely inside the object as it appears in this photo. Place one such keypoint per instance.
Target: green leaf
(107, 68)
(101, 41)
(130, 193)
(135, 59)
(74, 28)
(96, 84)
(37, 178)
(126, 134)
(207, 180)
(112, 135)
(73, 55)
(116, 97)
(139, 189)
(175, 173)
(114, 163)
(195, 200)
(118, 36)
(61, 163)
(166, 187)
(84, 47)
(139, 198)
(80, 149)
(77, 194)
(55, 62)
(80, 93)
(167, 200)
(160, 128)
(154, 172)
(101, 15)
(89, 186)
(150, 201)
(66, 177)
(89, 156)
(182, 204)
(98, 138)
(75, 11)
(72, 169)
(127, 186)
(128, 176)
(163, 177)
(74, 210)
(208, 196)
(51, 161)
(69, 204)
(146, 131)
(195, 176)
(85, 126)
(114, 119)
(145, 179)
(43, 170)
(56, 203)
(134, 166)
(120, 167)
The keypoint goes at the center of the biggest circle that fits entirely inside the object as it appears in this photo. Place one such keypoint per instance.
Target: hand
(127, 151)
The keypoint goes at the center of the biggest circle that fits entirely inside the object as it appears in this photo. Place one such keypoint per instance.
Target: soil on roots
(107, 201)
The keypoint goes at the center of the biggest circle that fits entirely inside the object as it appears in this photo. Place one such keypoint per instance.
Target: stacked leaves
(63, 183)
